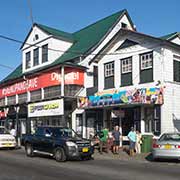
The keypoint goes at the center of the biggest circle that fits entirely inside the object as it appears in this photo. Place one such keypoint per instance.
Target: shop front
(140, 108)
(47, 113)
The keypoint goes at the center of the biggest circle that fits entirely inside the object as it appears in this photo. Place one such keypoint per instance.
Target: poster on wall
(47, 108)
(152, 95)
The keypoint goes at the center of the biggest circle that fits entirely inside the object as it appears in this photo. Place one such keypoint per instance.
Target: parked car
(167, 147)
(59, 142)
(6, 139)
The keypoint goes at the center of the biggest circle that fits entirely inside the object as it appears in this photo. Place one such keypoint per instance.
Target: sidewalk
(122, 156)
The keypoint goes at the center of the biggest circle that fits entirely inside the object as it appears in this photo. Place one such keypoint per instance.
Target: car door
(47, 140)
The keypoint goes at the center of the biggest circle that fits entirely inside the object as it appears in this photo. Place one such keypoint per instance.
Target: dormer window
(28, 60)
(123, 25)
(45, 53)
(36, 57)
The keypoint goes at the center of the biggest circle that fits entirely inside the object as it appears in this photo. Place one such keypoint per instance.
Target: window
(36, 95)
(95, 76)
(11, 100)
(22, 98)
(123, 25)
(53, 91)
(109, 69)
(45, 53)
(126, 71)
(2, 102)
(146, 60)
(109, 75)
(176, 66)
(126, 65)
(36, 57)
(146, 67)
(28, 60)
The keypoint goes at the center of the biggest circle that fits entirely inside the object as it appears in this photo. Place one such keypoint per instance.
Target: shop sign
(48, 108)
(152, 95)
(72, 77)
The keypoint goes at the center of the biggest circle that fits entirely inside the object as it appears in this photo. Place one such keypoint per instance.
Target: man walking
(116, 140)
(132, 141)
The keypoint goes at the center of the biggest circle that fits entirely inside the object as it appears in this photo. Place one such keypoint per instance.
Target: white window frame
(126, 65)
(146, 60)
(109, 69)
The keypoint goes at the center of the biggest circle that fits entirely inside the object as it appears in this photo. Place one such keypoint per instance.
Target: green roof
(170, 36)
(83, 40)
(15, 74)
(56, 32)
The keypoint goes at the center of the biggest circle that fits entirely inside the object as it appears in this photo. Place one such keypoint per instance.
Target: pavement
(14, 165)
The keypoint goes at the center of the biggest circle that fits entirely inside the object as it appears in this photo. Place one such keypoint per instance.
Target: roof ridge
(169, 36)
(119, 12)
(38, 24)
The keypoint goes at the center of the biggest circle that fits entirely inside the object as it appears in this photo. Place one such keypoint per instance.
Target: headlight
(70, 143)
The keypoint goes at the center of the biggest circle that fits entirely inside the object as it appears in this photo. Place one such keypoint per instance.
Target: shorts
(116, 143)
(132, 145)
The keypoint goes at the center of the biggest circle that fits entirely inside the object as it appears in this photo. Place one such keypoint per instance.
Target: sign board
(47, 108)
(73, 76)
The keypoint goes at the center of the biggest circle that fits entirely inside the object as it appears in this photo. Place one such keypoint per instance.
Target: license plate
(85, 150)
(168, 146)
(8, 144)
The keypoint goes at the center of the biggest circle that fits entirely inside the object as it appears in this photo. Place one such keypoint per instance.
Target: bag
(101, 134)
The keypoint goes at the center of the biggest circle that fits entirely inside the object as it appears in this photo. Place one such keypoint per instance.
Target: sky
(153, 17)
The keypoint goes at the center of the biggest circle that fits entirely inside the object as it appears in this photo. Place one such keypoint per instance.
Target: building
(104, 74)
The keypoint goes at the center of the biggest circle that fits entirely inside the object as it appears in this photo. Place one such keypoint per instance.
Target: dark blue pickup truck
(59, 142)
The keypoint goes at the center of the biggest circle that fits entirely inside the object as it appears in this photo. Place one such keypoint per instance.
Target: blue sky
(154, 17)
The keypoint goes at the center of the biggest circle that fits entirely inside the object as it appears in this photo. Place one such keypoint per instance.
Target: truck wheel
(29, 150)
(60, 155)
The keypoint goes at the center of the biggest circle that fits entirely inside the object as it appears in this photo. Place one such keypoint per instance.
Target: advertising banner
(152, 95)
(47, 108)
(52, 78)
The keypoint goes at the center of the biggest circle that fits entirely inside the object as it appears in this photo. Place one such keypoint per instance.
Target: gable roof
(170, 36)
(127, 43)
(83, 40)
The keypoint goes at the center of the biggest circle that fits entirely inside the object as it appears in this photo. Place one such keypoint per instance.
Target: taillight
(156, 146)
(177, 146)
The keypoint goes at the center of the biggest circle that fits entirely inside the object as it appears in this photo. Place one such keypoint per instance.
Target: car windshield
(3, 131)
(170, 137)
(65, 132)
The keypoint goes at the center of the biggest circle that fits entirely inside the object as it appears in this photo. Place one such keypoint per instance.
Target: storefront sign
(48, 108)
(52, 78)
(133, 96)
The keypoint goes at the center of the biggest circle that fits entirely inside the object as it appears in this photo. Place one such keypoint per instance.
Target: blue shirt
(132, 136)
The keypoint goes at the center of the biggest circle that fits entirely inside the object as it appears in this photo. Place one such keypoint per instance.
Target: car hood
(8, 136)
(78, 140)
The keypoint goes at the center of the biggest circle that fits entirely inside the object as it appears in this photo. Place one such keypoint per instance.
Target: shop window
(11, 100)
(157, 120)
(53, 91)
(126, 71)
(109, 75)
(149, 119)
(45, 53)
(36, 57)
(36, 95)
(28, 60)
(22, 98)
(146, 67)
(79, 124)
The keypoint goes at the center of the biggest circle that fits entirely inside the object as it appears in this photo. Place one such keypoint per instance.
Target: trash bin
(146, 143)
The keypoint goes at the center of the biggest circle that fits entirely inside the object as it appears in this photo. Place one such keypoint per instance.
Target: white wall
(53, 43)
(176, 40)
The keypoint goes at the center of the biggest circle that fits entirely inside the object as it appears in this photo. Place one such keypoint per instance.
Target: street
(15, 165)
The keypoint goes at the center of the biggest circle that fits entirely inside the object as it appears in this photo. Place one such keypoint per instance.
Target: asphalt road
(14, 165)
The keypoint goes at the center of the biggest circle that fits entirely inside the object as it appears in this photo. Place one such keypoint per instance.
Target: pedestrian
(116, 139)
(132, 141)
(13, 131)
(103, 137)
(138, 142)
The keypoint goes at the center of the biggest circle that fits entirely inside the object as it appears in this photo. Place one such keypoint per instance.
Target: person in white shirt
(13, 132)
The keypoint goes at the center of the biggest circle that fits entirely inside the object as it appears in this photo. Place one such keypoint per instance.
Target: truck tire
(29, 150)
(59, 155)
